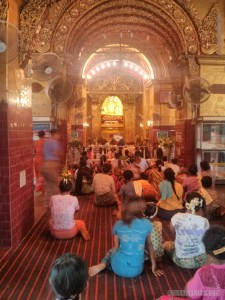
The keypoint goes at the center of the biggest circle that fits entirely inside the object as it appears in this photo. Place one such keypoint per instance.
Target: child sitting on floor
(156, 235)
(62, 223)
(68, 277)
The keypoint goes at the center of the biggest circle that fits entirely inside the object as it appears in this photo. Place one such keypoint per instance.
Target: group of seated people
(141, 194)
(133, 244)
(163, 182)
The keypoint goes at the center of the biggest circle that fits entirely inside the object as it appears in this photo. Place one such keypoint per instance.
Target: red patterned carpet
(24, 273)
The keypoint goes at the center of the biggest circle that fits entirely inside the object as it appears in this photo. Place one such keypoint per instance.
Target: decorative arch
(69, 29)
(123, 82)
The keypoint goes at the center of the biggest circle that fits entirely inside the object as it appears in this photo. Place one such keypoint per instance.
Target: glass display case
(210, 136)
(210, 144)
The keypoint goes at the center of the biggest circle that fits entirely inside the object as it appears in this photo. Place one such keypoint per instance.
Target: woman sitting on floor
(99, 165)
(155, 174)
(104, 187)
(83, 179)
(171, 196)
(188, 250)
(192, 182)
(209, 280)
(148, 189)
(62, 223)
(131, 234)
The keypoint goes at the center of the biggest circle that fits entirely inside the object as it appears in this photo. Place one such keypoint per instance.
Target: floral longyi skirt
(194, 262)
(106, 199)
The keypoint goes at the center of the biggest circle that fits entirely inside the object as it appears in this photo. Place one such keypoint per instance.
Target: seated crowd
(143, 195)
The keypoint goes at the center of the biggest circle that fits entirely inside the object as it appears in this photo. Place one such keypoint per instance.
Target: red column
(16, 174)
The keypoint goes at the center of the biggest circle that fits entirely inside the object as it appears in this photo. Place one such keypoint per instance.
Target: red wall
(185, 142)
(16, 147)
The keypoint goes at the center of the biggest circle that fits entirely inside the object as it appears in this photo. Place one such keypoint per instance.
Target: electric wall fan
(46, 66)
(175, 101)
(9, 41)
(196, 91)
(60, 89)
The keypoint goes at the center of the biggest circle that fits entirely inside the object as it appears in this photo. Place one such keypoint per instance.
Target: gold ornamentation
(173, 17)
(30, 19)
(115, 82)
(208, 32)
(194, 68)
(43, 40)
(177, 13)
(192, 48)
(74, 12)
(63, 29)
(3, 9)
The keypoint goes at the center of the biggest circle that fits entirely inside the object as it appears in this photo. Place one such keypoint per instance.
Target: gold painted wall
(213, 69)
(203, 7)
(41, 104)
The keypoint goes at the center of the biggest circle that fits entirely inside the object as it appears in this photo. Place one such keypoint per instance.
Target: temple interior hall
(149, 71)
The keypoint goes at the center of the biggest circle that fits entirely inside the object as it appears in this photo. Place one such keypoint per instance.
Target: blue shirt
(50, 149)
(127, 189)
(128, 260)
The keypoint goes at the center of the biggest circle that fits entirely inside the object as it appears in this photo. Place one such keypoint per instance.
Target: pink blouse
(208, 283)
(62, 209)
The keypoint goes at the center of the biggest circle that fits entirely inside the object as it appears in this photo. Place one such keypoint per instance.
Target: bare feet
(222, 211)
(115, 212)
(94, 270)
(85, 234)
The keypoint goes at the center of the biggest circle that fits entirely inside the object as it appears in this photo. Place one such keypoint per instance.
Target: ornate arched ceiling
(160, 30)
(138, 24)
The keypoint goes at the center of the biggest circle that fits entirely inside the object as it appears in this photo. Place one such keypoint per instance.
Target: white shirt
(143, 164)
(189, 232)
(117, 137)
(175, 168)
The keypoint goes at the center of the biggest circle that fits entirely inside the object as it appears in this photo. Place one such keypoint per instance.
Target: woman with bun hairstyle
(63, 206)
(209, 280)
(188, 250)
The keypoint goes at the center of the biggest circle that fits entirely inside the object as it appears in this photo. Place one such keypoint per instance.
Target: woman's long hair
(132, 208)
(170, 176)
